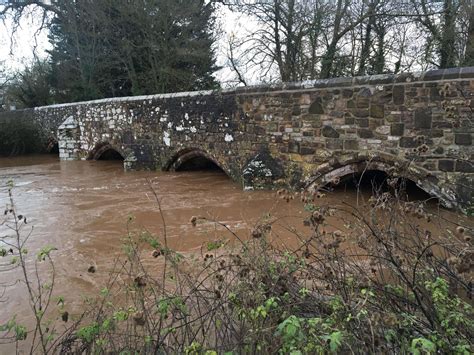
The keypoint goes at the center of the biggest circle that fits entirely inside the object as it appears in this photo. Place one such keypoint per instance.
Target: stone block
(398, 94)
(463, 138)
(293, 147)
(329, 132)
(429, 165)
(433, 75)
(362, 122)
(446, 165)
(407, 142)
(362, 103)
(432, 133)
(423, 118)
(307, 150)
(383, 130)
(351, 144)
(360, 112)
(365, 133)
(272, 127)
(296, 110)
(349, 120)
(465, 166)
(377, 111)
(442, 124)
(334, 144)
(467, 72)
(316, 107)
(452, 73)
(347, 93)
(374, 141)
(397, 129)
(381, 79)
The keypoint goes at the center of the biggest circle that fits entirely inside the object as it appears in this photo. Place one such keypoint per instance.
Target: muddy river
(82, 208)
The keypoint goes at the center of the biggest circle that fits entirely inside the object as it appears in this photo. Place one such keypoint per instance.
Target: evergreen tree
(30, 87)
(107, 48)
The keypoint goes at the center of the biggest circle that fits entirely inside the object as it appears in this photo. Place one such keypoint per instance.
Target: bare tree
(444, 25)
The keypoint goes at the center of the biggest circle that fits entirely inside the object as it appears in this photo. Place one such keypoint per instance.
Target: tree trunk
(448, 37)
(469, 56)
(379, 60)
(328, 58)
(365, 52)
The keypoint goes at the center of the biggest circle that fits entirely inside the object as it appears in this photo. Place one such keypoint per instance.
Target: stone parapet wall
(421, 120)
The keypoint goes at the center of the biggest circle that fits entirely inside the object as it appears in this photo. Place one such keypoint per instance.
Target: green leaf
(45, 251)
(104, 292)
(88, 333)
(120, 315)
(214, 245)
(20, 332)
(422, 346)
(335, 340)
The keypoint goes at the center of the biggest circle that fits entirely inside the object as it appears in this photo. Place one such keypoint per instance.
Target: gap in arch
(110, 154)
(54, 149)
(376, 180)
(198, 163)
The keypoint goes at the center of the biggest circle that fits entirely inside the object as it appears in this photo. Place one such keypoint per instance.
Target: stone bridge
(418, 126)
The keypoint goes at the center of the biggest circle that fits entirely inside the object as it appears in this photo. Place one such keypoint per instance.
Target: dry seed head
(420, 139)
(138, 318)
(256, 233)
(453, 261)
(140, 281)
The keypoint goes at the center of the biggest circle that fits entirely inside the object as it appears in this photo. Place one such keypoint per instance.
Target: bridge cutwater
(415, 125)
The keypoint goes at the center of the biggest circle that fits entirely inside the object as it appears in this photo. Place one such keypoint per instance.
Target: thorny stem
(32, 297)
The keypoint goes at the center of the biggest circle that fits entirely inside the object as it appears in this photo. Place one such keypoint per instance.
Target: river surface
(83, 207)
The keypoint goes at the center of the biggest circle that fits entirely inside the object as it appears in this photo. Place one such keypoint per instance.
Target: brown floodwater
(83, 209)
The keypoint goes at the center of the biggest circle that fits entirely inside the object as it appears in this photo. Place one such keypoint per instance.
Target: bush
(19, 134)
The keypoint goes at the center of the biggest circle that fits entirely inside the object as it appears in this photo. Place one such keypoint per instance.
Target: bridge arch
(105, 151)
(185, 156)
(385, 163)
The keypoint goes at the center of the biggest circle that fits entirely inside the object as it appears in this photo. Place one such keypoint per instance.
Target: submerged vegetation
(377, 282)
(19, 134)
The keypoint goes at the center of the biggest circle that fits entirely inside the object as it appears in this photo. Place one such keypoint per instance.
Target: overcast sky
(16, 54)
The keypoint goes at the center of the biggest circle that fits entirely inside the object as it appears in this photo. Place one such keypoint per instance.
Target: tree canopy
(296, 40)
(106, 48)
